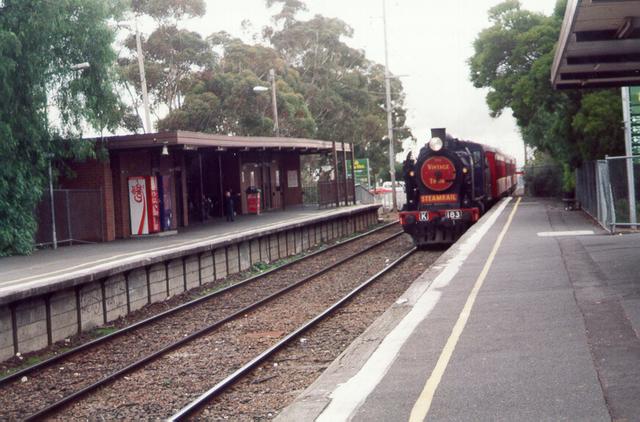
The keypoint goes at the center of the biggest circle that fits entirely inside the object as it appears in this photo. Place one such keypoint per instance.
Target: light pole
(387, 84)
(274, 99)
(143, 78)
(54, 236)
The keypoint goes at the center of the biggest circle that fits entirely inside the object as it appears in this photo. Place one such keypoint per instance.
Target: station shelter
(159, 182)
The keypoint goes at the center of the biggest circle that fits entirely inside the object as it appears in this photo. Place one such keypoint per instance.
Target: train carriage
(450, 185)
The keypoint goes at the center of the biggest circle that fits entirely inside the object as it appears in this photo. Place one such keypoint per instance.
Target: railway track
(190, 409)
(164, 384)
(65, 378)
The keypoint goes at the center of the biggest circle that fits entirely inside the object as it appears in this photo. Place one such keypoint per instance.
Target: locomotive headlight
(465, 170)
(411, 173)
(436, 144)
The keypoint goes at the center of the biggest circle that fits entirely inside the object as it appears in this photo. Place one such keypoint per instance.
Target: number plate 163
(453, 214)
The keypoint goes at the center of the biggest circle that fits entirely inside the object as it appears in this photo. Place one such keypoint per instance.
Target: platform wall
(36, 322)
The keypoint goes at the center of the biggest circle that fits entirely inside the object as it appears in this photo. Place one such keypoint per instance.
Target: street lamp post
(143, 79)
(146, 125)
(387, 84)
(274, 99)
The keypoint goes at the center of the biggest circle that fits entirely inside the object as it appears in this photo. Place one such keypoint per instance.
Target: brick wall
(95, 175)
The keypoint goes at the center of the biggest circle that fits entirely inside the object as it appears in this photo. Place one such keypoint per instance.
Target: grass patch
(103, 331)
(30, 361)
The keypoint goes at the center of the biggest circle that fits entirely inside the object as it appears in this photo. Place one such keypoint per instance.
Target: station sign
(361, 170)
(634, 109)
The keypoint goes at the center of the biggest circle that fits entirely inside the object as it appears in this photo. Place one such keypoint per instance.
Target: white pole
(629, 152)
(143, 81)
(274, 101)
(53, 209)
(387, 77)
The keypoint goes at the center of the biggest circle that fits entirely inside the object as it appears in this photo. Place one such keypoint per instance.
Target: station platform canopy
(194, 140)
(599, 45)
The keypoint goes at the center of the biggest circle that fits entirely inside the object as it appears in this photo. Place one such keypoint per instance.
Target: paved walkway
(46, 266)
(534, 315)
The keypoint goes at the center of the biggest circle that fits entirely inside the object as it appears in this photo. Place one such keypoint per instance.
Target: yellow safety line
(423, 404)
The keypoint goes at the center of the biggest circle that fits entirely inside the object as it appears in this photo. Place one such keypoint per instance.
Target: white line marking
(6, 287)
(423, 403)
(348, 397)
(566, 233)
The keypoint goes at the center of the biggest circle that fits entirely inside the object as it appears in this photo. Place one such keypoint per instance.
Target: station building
(183, 177)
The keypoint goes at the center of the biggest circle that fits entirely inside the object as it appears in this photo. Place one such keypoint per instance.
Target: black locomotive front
(440, 195)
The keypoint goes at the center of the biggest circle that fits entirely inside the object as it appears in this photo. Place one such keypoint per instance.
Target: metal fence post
(53, 209)
(101, 198)
(69, 233)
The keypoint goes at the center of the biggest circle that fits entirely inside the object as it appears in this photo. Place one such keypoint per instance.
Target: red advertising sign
(438, 173)
(154, 204)
(138, 205)
(144, 205)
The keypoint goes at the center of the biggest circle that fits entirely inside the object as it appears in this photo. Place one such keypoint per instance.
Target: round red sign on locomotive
(438, 173)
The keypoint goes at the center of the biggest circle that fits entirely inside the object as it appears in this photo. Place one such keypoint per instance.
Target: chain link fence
(323, 193)
(78, 217)
(608, 191)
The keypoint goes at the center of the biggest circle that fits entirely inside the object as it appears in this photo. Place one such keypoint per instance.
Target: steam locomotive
(450, 186)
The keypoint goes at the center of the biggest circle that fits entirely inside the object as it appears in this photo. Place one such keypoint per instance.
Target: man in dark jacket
(229, 208)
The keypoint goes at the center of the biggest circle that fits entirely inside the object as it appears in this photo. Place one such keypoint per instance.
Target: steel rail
(48, 410)
(239, 373)
(57, 358)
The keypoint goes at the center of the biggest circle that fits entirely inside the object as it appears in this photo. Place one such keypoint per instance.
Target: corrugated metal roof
(206, 140)
(599, 45)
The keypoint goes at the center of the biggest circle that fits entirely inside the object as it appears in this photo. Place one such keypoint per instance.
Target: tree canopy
(513, 59)
(325, 88)
(40, 42)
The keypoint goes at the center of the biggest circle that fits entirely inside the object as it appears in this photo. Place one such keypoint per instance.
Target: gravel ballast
(25, 396)
(164, 386)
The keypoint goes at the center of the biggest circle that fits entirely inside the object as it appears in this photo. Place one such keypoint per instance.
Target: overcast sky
(429, 41)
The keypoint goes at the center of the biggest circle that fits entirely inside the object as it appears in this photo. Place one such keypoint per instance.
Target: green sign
(361, 171)
(634, 108)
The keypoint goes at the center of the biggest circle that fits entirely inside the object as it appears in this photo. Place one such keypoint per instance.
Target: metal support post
(68, 208)
(335, 172)
(143, 80)
(345, 174)
(353, 173)
(53, 209)
(274, 101)
(387, 77)
(203, 217)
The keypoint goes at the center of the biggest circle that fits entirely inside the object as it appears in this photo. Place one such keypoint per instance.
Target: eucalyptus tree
(170, 53)
(40, 42)
(221, 99)
(513, 59)
(344, 90)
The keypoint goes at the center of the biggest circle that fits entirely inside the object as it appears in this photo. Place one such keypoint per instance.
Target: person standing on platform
(229, 208)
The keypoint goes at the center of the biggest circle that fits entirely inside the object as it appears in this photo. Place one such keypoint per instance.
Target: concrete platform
(533, 315)
(53, 294)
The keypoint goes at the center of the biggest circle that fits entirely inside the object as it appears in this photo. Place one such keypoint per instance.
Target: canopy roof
(194, 140)
(599, 45)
